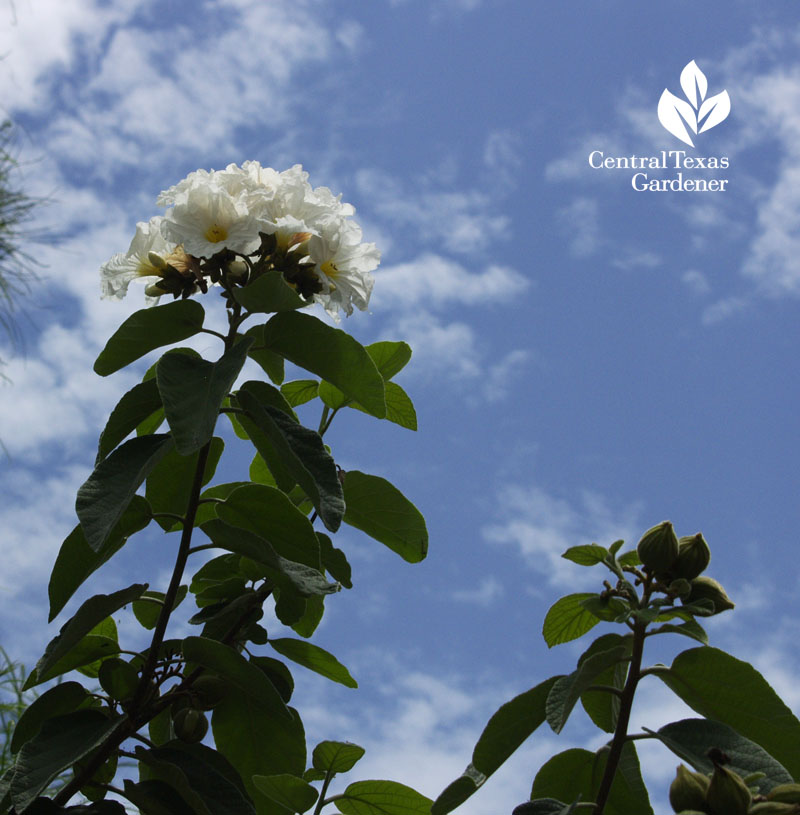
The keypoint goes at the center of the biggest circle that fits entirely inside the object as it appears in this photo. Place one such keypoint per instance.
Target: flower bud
(693, 557)
(727, 793)
(709, 589)
(154, 290)
(237, 271)
(658, 548)
(786, 793)
(156, 260)
(688, 790)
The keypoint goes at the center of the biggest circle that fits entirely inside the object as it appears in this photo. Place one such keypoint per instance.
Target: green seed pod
(710, 589)
(786, 793)
(688, 790)
(680, 586)
(190, 725)
(693, 557)
(658, 548)
(118, 679)
(209, 691)
(727, 793)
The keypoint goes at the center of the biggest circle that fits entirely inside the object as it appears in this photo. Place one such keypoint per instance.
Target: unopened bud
(773, 808)
(658, 548)
(154, 290)
(706, 588)
(688, 790)
(727, 793)
(237, 271)
(787, 793)
(156, 260)
(693, 557)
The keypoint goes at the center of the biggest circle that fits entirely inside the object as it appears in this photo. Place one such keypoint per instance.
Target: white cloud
(696, 281)
(725, 308)
(542, 527)
(485, 594)
(637, 259)
(432, 281)
(580, 222)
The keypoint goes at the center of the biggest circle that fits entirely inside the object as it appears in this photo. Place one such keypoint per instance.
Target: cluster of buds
(725, 792)
(228, 227)
(678, 564)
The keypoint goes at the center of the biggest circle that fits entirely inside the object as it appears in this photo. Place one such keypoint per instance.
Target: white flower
(206, 219)
(117, 273)
(343, 265)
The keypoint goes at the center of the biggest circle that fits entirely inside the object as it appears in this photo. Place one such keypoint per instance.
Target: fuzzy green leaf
(147, 329)
(92, 612)
(300, 391)
(567, 620)
(315, 659)
(331, 354)
(588, 554)
(106, 494)
(138, 404)
(379, 509)
(382, 798)
(192, 390)
(60, 699)
(389, 357)
(268, 293)
(287, 790)
(336, 756)
(691, 739)
(77, 560)
(721, 687)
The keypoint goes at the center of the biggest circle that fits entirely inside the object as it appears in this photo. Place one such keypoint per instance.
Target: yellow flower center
(215, 233)
(329, 268)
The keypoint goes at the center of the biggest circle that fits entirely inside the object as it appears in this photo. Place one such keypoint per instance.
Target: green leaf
(303, 454)
(269, 395)
(192, 390)
(300, 391)
(603, 706)
(380, 510)
(230, 664)
(314, 609)
(60, 699)
(630, 559)
(92, 612)
(578, 772)
(399, 407)
(334, 561)
(382, 798)
(567, 620)
(208, 774)
(305, 580)
(545, 806)
(315, 659)
(268, 293)
(148, 607)
(505, 731)
(332, 396)
(287, 790)
(77, 560)
(270, 514)
(336, 756)
(169, 485)
(608, 609)
(691, 739)
(58, 745)
(331, 354)
(147, 329)
(106, 494)
(568, 689)
(156, 797)
(389, 357)
(691, 628)
(258, 743)
(208, 509)
(587, 555)
(139, 403)
(721, 687)
(271, 363)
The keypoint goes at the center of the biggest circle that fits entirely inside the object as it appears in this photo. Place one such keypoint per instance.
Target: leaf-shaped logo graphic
(680, 117)
(692, 80)
(716, 108)
(672, 112)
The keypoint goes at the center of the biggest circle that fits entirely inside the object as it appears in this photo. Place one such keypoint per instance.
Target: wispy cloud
(542, 527)
(579, 222)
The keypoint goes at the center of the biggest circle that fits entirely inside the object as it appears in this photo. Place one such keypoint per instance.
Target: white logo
(673, 112)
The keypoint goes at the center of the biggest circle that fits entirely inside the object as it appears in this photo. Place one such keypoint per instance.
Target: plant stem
(625, 705)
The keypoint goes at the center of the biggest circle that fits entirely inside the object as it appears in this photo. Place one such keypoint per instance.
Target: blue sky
(588, 359)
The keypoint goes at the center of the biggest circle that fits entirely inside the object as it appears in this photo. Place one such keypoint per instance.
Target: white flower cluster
(211, 211)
